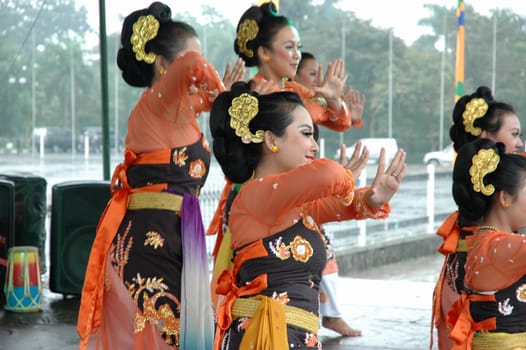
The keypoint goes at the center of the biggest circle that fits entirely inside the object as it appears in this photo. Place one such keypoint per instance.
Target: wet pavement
(391, 304)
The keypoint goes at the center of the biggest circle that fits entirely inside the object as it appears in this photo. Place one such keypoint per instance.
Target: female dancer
(143, 285)
(474, 116)
(270, 42)
(489, 189)
(308, 73)
(266, 143)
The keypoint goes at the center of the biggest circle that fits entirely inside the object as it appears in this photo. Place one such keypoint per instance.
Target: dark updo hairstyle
(238, 160)
(269, 24)
(509, 176)
(491, 121)
(169, 42)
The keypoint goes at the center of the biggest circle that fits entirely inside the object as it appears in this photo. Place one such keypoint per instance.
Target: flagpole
(442, 70)
(494, 65)
(390, 86)
(104, 90)
(459, 64)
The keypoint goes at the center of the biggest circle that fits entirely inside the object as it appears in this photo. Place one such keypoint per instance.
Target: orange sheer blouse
(166, 114)
(495, 260)
(322, 188)
(320, 114)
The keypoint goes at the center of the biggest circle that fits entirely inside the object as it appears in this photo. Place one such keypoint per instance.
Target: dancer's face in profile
(297, 146)
(306, 75)
(510, 134)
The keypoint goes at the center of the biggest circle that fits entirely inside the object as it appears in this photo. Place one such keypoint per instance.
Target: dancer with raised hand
(266, 143)
(270, 42)
(148, 264)
(308, 74)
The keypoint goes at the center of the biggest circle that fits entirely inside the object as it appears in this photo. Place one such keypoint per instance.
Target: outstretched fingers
(397, 168)
(358, 160)
(387, 182)
(232, 75)
(263, 87)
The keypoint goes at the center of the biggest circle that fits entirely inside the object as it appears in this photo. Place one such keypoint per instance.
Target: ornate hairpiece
(483, 163)
(475, 109)
(244, 108)
(248, 30)
(144, 30)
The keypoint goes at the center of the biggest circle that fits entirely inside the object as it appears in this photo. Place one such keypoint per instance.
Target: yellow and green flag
(459, 64)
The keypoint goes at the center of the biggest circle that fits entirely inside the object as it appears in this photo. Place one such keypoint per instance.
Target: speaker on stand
(76, 207)
(7, 229)
(30, 211)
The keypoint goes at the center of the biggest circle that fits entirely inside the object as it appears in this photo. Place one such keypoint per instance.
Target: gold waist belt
(246, 307)
(462, 246)
(499, 341)
(155, 200)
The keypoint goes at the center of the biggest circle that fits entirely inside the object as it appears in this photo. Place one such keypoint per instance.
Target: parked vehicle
(55, 139)
(95, 139)
(442, 157)
(374, 145)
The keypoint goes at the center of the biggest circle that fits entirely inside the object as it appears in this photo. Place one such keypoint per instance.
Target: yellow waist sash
(499, 341)
(462, 245)
(246, 307)
(155, 200)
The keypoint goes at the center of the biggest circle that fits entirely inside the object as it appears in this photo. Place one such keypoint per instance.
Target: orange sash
(462, 325)
(90, 312)
(226, 285)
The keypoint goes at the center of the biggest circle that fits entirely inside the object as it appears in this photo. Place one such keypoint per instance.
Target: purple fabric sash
(197, 326)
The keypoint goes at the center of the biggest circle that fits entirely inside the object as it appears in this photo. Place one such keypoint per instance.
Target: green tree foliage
(43, 40)
(63, 59)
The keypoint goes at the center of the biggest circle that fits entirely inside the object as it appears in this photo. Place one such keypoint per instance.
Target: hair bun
(485, 93)
(160, 11)
(242, 87)
(269, 8)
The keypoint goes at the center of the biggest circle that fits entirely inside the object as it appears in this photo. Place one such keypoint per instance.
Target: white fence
(422, 202)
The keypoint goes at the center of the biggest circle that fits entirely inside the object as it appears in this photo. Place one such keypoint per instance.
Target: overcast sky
(379, 11)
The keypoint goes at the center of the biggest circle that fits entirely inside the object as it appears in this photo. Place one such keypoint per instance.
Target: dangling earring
(266, 59)
(274, 148)
(162, 71)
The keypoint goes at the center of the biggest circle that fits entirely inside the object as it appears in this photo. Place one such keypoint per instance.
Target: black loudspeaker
(30, 211)
(76, 207)
(7, 228)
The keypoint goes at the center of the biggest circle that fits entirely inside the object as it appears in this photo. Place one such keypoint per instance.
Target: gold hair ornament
(144, 30)
(483, 163)
(475, 109)
(248, 30)
(244, 108)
